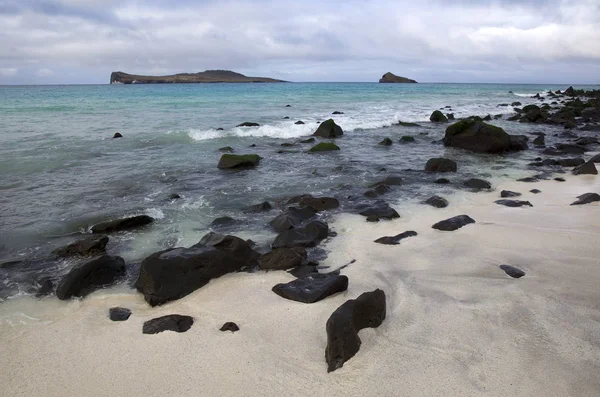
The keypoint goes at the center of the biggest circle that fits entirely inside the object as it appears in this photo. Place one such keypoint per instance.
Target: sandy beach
(456, 324)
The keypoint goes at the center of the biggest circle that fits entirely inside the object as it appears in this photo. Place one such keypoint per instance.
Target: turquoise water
(61, 171)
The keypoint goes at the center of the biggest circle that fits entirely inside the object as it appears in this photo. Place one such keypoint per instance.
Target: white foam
(155, 213)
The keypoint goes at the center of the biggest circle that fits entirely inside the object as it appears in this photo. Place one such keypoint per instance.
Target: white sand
(456, 324)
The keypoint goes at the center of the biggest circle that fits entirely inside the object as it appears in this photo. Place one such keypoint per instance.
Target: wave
(523, 95)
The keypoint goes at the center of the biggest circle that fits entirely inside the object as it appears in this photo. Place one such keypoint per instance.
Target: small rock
(587, 198)
(85, 247)
(171, 322)
(378, 210)
(308, 236)
(229, 326)
(535, 191)
(230, 161)
(300, 122)
(395, 240)
(512, 271)
(337, 112)
(282, 258)
(386, 142)
(513, 203)
(438, 117)
(528, 179)
(227, 149)
(453, 223)
(442, 181)
(174, 196)
(329, 129)
(323, 147)
(119, 313)
(478, 184)
(262, 207)
(309, 140)
(407, 139)
(440, 164)
(248, 124)
(117, 135)
(559, 179)
(312, 288)
(508, 193)
(122, 224)
(86, 278)
(437, 202)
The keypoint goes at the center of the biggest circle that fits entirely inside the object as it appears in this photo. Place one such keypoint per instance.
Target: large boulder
(85, 247)
(229, 161)
(176, 272)
(329, 129)
(477, 136)
(308, 236)
(282, 258)
(122, 224)
(343, 342)
(440, 164)
(438, 117)
(92, 275)
(312, 288)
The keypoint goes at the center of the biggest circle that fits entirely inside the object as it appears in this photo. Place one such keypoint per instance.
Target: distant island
(208, 76)
(392, 78)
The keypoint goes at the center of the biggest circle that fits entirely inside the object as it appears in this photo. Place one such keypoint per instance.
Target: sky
(500, 41)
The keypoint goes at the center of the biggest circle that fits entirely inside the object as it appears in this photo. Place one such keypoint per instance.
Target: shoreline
(456, 324)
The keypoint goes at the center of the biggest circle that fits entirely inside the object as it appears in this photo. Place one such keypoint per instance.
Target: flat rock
(232, 161)
(513, 203)
(308, 236)
(92, 275)
(587, 198)
(248, 124)
(453, 223)
(171, 322)
(437, 202)
(512, 271)
(343, 342)
(395, 240)
(573, 162)
(312, 288)
(119, 313)
(282, 258)
(85, 247)
(440, 164)
(390, 180)
(442, 181)
(529, 179)
(508, 193)
(535, 191)
(324, 147)
(229, 326)
(118, 225)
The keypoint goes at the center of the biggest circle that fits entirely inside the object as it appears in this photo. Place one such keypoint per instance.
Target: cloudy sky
(82, 41)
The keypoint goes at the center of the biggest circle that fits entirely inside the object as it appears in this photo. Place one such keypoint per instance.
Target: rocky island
(392, 78)
(208, 76)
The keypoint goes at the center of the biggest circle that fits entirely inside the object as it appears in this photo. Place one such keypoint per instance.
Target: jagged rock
(386, 142)
(407, 139)
(329, 129)
(291, 218)
(438, 117)
(586, 169)
(437, 202)
(378, 210)
(477, 136)
(312, 288)
(171, 322)
(248, 124)
(323, 147)
(282, 258)
(85, 247)
(117, 135)
(92, 275)
(119, 314)
(308, 236)
(587, 198)
(475, 183)
(513, 203)
(440, 164)
(122, 224)
(229, 161)
(508, 193)
(343, 342)
(453, 223)
(395, 240)
(229, 326)
(512, 271)
(262, 207)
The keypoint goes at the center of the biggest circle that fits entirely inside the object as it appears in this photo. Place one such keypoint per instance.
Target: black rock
(223, 221)
(308, 236)
(560, 179)
(395, 240)
(117, 135)
(528, 179)
(516, 104)
(478, 136)
(453, 223)
(478, 184)
(291, 218)
(229, 326)
(407, 139)
(518, 142)
(437, 201)
(586, 169)
(405, 124)
(282, 258)
(319, 203)
(378, 210)
(386, 142)
(300, 122)
(174, 196)
(570, 149)
(329, 129)
(43, 287)
(438, 117)
(220, 129)
(262, 207)
(512, 271)
(379, 190)
(390, 180)
(571, 162)
(508, 193)
(85, 247)
(343, 342)
(595, 159)
(535, 191)
(244, 161)
(122, 224)
(513, 203)
(587, 198)
(440, 164)
(248, 124)
(312, 288)
(171, 322)
(337, 112)
(442, 181)
(586, 141)
(288, 106)
(119, 313)
(227, 149)
(86, 278)
(286, 118)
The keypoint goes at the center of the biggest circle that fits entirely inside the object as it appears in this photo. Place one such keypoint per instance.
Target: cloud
(8, 72)
(44, 72)
(432, 40)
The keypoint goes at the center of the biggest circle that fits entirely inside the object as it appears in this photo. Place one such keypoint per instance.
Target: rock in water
(262, 207)
(453, 223)
(513, 203)
(595, 159)
(512, 271)
(343, 342)
(171, 322)
(586, 169)
(508, 193)
(440, 164)
(438, 117)
(518, 142)
(378, 210)
(386, 142)
(84, 247)
(119, 313)
(117, 135)
(437, 202)
(587, 198)
(477, 136)
(86, 278)
(229, 326)
(122, 224)
(329, 129)
(319, 203)
(395, 240)
(312, 288)
(477, 184)
(540, 140)
(392, 78)
(176, 272)
(229, 161)
(227, 149)
(292, 218)
(407, 139)
(248, 124)
(442, 181)
(324, 147)
(308, 236)
(573, 162)
(282, 258)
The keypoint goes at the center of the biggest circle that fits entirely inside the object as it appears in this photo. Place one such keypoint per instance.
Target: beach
(456, 324)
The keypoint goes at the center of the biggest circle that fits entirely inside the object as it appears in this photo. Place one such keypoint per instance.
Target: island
(208, 76)
(392, 78)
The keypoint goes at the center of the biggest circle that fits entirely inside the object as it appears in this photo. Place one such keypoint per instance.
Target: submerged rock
(508, 193)
(329, 129)
(308, 236)
(324, 147)
(574, 162)
(440, 164)
(513, 203)
(262, 207)
(92, 275)
(395, 240)
(438, 117)
(117, 135)
(442, 181)
(437, 202)
(299, 122)
(85, 247)
(407, 139)
(595, 159)
(406, 124)
(308, 140)
(587, 198)
(229, 326)
(227, 149)
(343, 342)
(529, 179)
(540, 140)
(453, 223)
(477, 136)
(337, 112)
(171, 322)
(312, 288)
(386, 142)
(518, 142)
(122, 224)
(282, 258)
(477, 184)
(248, 124)
(119, 314)
(512, 271)
(230, 161)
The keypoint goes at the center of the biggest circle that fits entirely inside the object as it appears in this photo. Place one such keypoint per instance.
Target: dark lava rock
(262, 207)
(299, 122)
(395, 240)
(442, 181)
(407, 139)
(386, 142)
(329, 129)
(475, 183)
(453, 223)
(378, 210)
(319, 203)
(535, 191)
(229, 326)
(227, 149)
(84, 247)
(343, 342)
(286, 118)
(86, 278)
(117, 135)
(122, 224)
(438, 117)
(323, 147)
(291, 218)
(337, 112)
(308, 236)
(248, 124)
(508, 193)
(440, 164)
(513, 203)
(282, 258)
(174, 196)
(571, 162)
(229, 161)
(595, 159)
(512, 271)
(119, 314)
(223, 221)
(171, 322)
(437, 202)
(176, 272)
(528, 179)
(312, 288)
(288, 106)
(560, 179)
(220, 129)
(586, 169)
(587, 198)
(477, 136)
(518, 142)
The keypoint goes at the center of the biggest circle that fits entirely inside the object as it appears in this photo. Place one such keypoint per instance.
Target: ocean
(61, 171)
